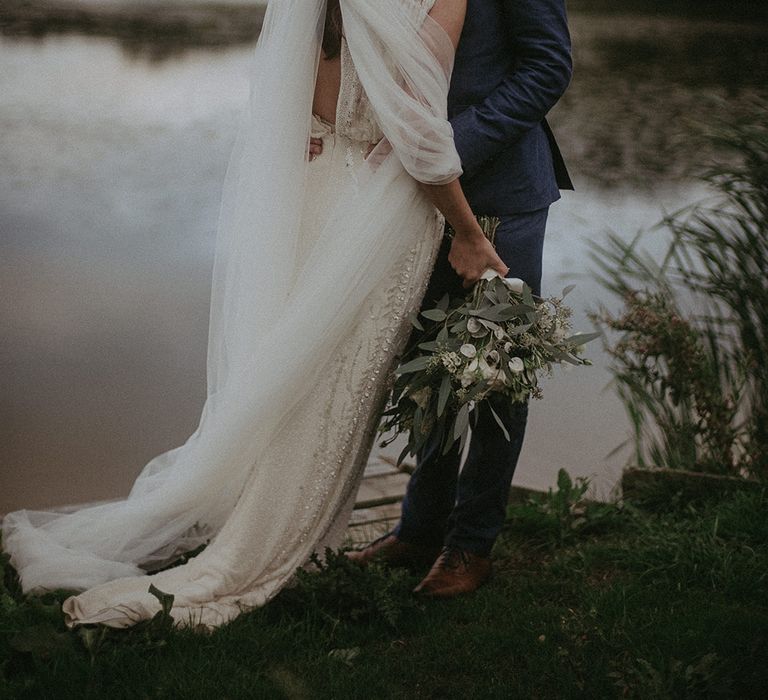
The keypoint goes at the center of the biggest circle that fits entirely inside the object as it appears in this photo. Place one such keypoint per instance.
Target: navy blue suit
(512, 65)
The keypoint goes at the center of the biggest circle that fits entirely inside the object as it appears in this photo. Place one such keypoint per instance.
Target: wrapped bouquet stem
(481, 352)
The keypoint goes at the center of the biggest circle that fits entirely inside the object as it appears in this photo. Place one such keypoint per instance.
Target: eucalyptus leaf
(519, 330)
(500, 422)
(444, 394)
(564, 357)
(463, 439)
(417, 365)
(581, 338)
(477, 389)
(414, 319)
(490, 325)
(528, 296)
(434, 315)
(418, 414)
(490, 313)
(462, 421)
(516, 310)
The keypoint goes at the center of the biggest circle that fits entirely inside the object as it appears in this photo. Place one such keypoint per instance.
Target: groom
(512, 65)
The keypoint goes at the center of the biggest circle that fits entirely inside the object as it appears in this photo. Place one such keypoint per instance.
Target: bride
(319, 262)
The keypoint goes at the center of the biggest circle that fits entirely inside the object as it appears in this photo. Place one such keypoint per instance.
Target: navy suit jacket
(512, 65)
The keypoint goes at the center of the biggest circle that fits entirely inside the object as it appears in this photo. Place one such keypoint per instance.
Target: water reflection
(151, 31)
(113, 163)
(648, 91)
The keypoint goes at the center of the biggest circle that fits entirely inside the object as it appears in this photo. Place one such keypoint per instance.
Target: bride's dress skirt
(299, 498)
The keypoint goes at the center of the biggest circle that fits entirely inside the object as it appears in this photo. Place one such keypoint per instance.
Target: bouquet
(483, 352)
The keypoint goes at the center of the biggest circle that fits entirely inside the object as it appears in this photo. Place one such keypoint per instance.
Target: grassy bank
(587, 601)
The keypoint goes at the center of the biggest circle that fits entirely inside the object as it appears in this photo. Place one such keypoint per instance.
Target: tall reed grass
(691, 363)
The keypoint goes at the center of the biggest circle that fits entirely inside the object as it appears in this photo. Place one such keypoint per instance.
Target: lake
(113, 152)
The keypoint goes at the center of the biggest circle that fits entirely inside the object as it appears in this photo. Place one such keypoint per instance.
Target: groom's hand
(472, 254)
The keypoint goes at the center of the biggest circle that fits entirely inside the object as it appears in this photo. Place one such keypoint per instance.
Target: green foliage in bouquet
(481, 352)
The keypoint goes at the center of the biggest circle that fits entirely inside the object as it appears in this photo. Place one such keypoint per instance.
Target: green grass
(592, 601)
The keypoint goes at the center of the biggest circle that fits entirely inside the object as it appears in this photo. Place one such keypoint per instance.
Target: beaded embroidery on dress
(322, 446)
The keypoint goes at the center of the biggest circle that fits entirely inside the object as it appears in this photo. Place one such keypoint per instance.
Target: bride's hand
(472, 254)
(315, 148)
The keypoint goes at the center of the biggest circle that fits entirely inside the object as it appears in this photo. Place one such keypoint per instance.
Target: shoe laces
(454, 557)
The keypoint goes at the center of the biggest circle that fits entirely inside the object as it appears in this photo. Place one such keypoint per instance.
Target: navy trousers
(467, 509)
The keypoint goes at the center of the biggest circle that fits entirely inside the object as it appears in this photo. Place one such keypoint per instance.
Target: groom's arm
(542, 45)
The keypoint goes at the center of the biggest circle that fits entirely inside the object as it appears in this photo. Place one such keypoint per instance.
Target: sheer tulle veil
(272, 320)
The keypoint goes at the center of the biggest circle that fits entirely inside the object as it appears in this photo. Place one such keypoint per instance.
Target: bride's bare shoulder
(450, 15)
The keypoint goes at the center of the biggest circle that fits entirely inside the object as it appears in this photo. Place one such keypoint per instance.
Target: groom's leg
(430, 497)
(485, 479)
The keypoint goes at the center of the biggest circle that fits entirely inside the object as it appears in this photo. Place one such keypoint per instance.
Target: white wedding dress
(291, 483)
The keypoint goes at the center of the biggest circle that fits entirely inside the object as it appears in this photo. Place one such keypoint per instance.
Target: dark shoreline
(735, 10)
(157, 30)
(212, 24)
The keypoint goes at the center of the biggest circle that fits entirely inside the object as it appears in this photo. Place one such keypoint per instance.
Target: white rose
(516, 364)
(493, 375)
(468, 350)
(489, 274)
(515, 284)
(476, 329)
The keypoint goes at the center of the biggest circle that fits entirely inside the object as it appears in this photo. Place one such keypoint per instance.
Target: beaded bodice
(355, 118)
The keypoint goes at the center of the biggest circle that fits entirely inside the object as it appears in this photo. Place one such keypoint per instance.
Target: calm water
(112, 162)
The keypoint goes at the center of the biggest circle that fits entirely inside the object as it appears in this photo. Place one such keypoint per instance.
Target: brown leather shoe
(456, 571)
(392, 551)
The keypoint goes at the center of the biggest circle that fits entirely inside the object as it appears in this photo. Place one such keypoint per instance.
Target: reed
(691, 362)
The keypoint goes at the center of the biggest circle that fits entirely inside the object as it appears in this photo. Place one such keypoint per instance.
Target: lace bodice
(355, 117)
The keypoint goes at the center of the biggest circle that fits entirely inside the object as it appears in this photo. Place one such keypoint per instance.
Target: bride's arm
(471, 252)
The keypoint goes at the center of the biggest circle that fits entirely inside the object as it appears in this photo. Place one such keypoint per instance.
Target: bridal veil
(273, 321)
